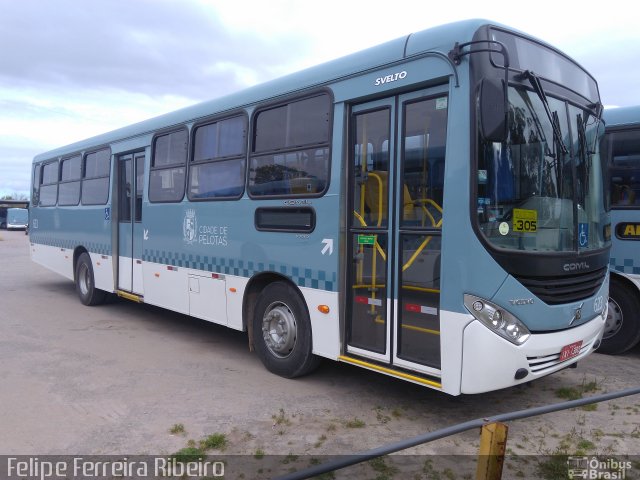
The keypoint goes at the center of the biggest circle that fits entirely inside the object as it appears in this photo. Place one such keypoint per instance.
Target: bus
(17, 218)
(7, 206)
(430, 208)
(621, 154)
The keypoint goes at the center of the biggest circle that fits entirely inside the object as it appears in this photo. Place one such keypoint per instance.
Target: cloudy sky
(71, 69)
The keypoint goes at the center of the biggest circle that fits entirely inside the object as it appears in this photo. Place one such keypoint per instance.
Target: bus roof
(617, 117)
(440, 38)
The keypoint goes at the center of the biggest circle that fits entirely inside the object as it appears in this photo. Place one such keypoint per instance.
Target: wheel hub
(279, 329)
(614, 320)
(84, 279)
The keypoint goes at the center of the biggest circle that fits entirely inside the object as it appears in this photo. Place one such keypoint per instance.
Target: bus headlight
(497, 319)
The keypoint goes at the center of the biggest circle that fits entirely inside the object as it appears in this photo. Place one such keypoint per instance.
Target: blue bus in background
(621, 151)
(17, 219)
(429, 208)
(14, 214)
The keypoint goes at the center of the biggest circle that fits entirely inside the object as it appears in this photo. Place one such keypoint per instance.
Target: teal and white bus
(621, 151)
(430, 208)
(17, 218)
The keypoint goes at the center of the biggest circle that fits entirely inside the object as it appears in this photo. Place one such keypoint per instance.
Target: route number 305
(525, 225)
(525, 220)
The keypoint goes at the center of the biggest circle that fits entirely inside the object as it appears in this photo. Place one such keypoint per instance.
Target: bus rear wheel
(282, 332)
(85, 282)
(622, 328)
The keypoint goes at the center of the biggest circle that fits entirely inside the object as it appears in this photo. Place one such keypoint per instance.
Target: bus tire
(282, 332)
(85, 282)
(622, 329)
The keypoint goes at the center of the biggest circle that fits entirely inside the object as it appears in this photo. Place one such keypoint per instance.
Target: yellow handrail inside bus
(380, 195)
(416, 253)
(364, 224)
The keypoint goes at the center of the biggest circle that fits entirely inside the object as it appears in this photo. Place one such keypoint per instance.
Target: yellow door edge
(389, 371)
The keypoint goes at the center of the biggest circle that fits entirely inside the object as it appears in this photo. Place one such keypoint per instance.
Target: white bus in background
(17, 218)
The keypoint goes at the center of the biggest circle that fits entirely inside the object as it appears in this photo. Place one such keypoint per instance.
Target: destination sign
(628, 230)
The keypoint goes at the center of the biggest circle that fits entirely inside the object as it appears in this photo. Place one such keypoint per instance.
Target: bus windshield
(540, 190)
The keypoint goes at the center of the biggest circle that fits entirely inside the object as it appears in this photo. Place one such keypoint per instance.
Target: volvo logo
(572, 267)
(577, 314)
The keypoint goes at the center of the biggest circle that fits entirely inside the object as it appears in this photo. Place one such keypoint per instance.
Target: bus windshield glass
(539, 190)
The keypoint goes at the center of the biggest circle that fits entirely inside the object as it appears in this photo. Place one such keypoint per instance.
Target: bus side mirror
(493, 110)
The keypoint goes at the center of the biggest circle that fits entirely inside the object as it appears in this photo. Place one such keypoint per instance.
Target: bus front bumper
(491, 362)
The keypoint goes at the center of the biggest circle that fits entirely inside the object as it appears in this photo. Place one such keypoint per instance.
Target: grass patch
(216, 441)
(384, 471)
(189, 454)
(381, 417)
(575, 393)
(290, 458)
(355, 423)
(568, 393)
(177, 429)
(281, 418)
(585, 444)
(259, 454)
(320, 441)
(553, 468)
(591, 407)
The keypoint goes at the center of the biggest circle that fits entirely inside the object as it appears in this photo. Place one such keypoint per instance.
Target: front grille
(540, 364)
(564, 289)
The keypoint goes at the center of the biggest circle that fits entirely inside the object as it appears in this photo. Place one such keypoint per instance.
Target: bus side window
(217, 169)
(168, 167)
(624, 162)
(49, 184)
(70, 174)
(95, 180)
(35, 194)
(290, 149)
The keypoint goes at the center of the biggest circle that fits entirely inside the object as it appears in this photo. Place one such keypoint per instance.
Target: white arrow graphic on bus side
(146, 234)
(328, 245)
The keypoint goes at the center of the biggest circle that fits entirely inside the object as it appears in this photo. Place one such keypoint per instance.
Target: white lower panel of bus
(325, 327)
(490, 362)
(60, 260)
(208, 296)
(102, 271)
(166, 286)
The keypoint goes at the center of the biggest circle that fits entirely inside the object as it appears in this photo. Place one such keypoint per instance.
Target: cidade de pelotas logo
(190, 226)
(203, 233)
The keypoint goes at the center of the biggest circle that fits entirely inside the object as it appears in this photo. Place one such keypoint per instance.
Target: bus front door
(397, 148)
(130, 232)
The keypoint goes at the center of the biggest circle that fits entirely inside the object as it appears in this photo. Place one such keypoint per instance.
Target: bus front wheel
(282, 332)
(85, 282)
(622, 328)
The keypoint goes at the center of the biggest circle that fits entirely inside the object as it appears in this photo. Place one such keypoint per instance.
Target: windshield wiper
(555, 124)
(585, 154)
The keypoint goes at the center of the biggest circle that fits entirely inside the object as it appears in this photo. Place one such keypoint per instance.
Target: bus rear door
(130, 231)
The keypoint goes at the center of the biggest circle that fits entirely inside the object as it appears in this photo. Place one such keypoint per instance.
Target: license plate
(570, 351)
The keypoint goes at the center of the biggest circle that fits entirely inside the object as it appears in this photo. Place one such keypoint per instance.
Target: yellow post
(493, 444)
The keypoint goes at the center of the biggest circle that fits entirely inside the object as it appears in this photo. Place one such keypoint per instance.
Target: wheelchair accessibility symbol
(583, 234)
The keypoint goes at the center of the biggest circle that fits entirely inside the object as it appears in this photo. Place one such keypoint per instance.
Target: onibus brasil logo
(190, 226)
